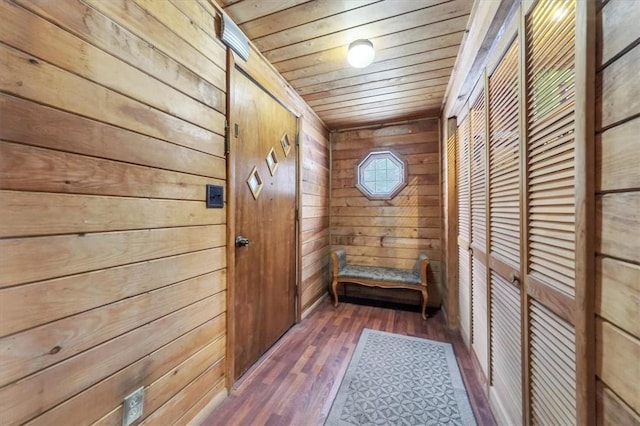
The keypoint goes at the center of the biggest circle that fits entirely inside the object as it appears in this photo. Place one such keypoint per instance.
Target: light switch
(215, 197)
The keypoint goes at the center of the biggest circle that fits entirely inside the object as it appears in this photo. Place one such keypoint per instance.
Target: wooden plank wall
(389, 233)
(113, 272)
(314, 218)
(618, 215)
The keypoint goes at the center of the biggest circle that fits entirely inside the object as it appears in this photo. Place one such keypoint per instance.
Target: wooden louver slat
(462, 167)
(477, 175)
(550, 33)
(552, 367)
(506, 364)
(504, 169)
(464, 227)
(479, 312)
(464, 291)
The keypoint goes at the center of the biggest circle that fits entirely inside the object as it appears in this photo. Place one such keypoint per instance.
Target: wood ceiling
(416, 44)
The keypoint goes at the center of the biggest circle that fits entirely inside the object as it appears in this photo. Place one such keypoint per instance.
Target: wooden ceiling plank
(452, 9)
(390, 104)
(421, 84)
(340, 22)
(249, 10)
(427, 93)
(395, 117)
(384, 75)
(356, 112)
(364, 88)
(336, 55)
(401, 62)
(396, 52)
(299, 15)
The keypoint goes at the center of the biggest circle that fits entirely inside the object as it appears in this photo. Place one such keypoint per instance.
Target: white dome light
(361, 53)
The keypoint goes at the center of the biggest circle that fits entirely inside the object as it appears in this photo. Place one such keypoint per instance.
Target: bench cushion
(406, 276)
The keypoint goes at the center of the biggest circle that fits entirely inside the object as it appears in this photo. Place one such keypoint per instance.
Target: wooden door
(478, 249)
(464, 230)
(550, 213)
(504, 237)
(263, 152)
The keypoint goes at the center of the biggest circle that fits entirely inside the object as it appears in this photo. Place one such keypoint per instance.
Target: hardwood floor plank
(295, 382)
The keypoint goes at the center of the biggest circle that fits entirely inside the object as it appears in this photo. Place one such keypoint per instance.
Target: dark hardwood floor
(295, 382)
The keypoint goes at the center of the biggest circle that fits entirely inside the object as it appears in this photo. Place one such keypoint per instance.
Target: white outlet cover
(133, 406)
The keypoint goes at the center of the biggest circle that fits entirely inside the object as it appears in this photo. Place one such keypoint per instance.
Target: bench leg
(425, 296)
(334, 289)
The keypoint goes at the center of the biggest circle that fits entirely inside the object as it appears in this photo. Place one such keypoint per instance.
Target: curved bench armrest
(338, 261)
(421, 266)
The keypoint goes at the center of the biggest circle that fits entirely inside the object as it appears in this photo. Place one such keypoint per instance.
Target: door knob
(241, 241)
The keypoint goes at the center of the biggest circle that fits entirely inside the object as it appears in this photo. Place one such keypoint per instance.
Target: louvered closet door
(504, 237)
(464, 210)
(551, 212)
(479, 314)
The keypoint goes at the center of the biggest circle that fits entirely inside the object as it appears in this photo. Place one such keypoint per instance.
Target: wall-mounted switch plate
(133, 405)
(215, 196)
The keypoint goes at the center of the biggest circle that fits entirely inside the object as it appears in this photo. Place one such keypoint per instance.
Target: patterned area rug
(401, 380)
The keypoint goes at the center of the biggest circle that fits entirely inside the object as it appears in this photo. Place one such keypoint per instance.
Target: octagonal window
(381, 175)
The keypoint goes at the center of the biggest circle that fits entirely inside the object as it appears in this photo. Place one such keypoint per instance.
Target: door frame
(230, 151)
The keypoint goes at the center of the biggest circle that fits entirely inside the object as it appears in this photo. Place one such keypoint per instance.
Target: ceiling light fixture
(361, 53)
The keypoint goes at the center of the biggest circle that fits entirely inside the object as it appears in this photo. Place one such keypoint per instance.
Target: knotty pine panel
(617, 199)
(611, 410)
(33, 124)
(49, 300)
(91, 25)
(59, 48)
(392, 232)
(90, 405)
(113, 271)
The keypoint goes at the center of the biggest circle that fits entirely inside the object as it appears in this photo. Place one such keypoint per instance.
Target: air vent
(233, 37)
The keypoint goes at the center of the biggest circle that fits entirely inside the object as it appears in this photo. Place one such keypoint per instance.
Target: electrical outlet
(133, 405)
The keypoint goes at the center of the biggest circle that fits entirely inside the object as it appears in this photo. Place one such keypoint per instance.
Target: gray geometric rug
(401, 380)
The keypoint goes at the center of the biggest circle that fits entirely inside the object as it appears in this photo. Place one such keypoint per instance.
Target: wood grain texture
(611, 410)
(617, 354)
(415, 41)
(32, 305)
(617, 179)
(618, 18)
(617, 98)
(295, 382)
(390, 232)
(617, 293)
(101, 31)
(617, 157)
(617, 232)
(37, 125)
(114, 273)
(90, 405)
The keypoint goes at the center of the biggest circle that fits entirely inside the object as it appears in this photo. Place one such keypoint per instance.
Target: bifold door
(518, 181)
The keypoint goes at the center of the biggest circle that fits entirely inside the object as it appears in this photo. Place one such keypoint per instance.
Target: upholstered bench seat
(407, 276)
(376, 276)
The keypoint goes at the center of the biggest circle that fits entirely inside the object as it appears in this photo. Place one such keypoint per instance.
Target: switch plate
(133, 406)
(215, 196)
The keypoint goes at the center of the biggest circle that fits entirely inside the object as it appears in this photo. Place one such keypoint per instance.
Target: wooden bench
(375, 276)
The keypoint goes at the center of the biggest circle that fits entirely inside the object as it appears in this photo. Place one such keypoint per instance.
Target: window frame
(367, 159)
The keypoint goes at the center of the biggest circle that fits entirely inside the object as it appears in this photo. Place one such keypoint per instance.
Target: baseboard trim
(199, 418)
(310, 309)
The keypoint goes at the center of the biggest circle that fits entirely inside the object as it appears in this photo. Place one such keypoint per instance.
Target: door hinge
(227, 142)
(236, 130)
(297, 215)
(297, 140)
